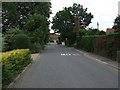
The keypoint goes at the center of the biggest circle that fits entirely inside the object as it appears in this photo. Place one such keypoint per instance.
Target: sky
(104, 11)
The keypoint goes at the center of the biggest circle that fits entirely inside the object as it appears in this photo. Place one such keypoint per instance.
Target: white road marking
(68, 54)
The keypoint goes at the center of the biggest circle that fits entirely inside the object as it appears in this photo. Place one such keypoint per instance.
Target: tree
(63, 21)
(36, 28)
(15, 13)
(85, 18)
(117, 24)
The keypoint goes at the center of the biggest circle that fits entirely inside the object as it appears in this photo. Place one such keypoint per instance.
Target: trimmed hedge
(87, 42)
(13, 62)
(114, 34)
(105, 45)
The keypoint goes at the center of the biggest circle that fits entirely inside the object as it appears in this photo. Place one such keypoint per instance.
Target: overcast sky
(104, 11)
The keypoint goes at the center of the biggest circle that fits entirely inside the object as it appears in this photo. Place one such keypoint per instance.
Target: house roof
(54, 37)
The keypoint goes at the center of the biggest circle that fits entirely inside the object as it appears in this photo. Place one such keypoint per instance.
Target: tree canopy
(63, 22)
(117, 23)
(15, 13)
(28, 20)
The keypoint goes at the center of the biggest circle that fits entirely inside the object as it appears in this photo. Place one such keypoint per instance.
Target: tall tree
(63, 21)
(117, 23)
(15, 13)
(36, 28)
(85, 18)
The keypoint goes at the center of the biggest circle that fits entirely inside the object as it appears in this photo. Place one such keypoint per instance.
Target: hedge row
(85, 42)
(13, 62)
(106, 45)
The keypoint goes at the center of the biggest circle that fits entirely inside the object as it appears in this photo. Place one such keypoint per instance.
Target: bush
(114, 34)
(78, 40)
(8, 38)
(112, 53)
(21, 41)
(111, 49)
(36, 47)
(87, 42)
(13, 62)
(1, 42)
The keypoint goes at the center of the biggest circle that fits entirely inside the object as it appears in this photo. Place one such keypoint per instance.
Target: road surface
(62, 67)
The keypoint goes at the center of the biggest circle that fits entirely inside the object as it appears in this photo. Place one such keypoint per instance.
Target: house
(53, 38)
(109, 30)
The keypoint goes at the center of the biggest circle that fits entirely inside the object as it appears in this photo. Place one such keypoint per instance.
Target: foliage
(114, 34)
(59, 40)
(15, 13)
(36, 47)
(85, 17)
(37, 28)
(117, 24)
(1, 42)
(63, 21)
(13, 62)
(111, 46)
(82, 32)
(111, 52)
(8, 38)
(21, 41)
(91, 31)
(78, 40)
(111, 49)
(102, 33)
(87, 42)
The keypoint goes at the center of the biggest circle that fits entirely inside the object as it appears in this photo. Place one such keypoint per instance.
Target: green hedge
(87, 42)
(114, 34)
(111, 45)
(37, 47)
(13, 62)
(111, 49)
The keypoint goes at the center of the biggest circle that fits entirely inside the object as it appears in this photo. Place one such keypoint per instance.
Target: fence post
(118, 56)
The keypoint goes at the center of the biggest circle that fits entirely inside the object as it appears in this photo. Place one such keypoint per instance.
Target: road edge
(95, 59)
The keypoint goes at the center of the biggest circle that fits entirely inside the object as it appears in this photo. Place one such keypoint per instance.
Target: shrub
(87, 42)
(78, 40)
(111, 50)
(8, 36)
(114, 34)
(1, 42)
(13, 62)
(21, 41)
(36, 47)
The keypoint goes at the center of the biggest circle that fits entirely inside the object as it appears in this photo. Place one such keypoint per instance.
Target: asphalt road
(61, 67)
